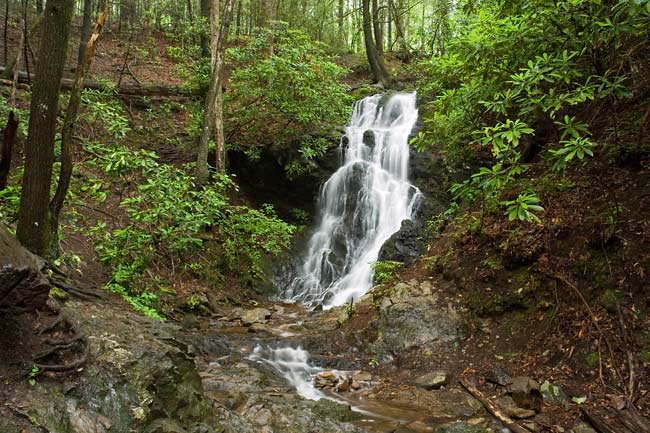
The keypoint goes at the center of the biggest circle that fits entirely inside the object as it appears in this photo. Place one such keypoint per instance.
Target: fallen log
(123, 89)
(491, 407)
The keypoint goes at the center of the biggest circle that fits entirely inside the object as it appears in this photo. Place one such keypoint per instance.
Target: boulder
(256, 315)
(553, 394)
(433, 380)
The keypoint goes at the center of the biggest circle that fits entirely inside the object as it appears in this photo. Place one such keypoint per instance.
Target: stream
(360, 207)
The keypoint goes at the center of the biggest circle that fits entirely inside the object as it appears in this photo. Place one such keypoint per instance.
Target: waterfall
(361, 205)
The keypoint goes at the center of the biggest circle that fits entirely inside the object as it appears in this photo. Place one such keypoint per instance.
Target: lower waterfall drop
(361, 205)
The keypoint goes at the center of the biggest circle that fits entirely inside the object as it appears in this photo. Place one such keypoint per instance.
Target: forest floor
(565, 302)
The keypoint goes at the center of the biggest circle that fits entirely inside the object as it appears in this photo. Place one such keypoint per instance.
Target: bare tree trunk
(6, 29)
(85, 31)
(379, 72)
(39, 7)
(205, 42)
(33, 219)
(212, 125)
(376, 24)
(399, 27)
(9, 137)
(238, 23)
(219, 138)
(67, 133)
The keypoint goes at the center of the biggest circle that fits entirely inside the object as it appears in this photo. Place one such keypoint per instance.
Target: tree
(33, 216)
(376, 61)
(212, 124)
(85, 30)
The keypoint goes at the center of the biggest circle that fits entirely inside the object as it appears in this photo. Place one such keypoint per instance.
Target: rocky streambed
(248, 370)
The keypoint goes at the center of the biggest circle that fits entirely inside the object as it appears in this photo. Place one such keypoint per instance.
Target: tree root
(65, 367)
(58, 346)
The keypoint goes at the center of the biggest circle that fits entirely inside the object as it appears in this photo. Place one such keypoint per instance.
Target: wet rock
(513, 410)
(582, 428)
(414, 321)
(525, 392)
(165, 426)
(406, 245)
(522, 385)
(420, 427)
(433, 380)
(461, 427)
(553, 394)
(256, 315)
(362, 376)
(498, 375)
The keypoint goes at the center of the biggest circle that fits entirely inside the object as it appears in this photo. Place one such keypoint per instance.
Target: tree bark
(212, 125)
(39, 7)
(22, 285)
(67, 134)
(33, 219)
(9, 137)
(377, 30)
(205, 40)
(85, 31)
(379, 72)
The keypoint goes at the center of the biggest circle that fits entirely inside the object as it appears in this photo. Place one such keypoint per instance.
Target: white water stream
(361, 205)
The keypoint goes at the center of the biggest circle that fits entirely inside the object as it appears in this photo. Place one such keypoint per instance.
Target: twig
(492, 408)
(594, 320)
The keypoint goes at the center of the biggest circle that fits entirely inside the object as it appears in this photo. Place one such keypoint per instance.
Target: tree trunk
(238, 24)
(210, 105)
(219, 138)
(39, 7)
(379, 72)
(205, 42)
(85, 31)
(127, 13)
(6, 150)
(377, 28)
(22, 285)
(67, 134)
(33, 219)
(399, 27)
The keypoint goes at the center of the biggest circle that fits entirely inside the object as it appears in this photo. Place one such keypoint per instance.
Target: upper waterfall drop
(362, 204)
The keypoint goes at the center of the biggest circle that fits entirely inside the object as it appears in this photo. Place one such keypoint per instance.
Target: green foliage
(169, 219)
(517, 69)
(33, 374)
(523, 207)
(385, 270)
(285, 96)
(102, 109)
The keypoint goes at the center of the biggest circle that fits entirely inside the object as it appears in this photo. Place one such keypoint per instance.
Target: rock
(420, 427)
(582, 428)
(406, 245)
(525, 392)
(258, 327)
(426, 287)
(256, 315)
(523, 385)
(344, 385)
(414, 322)
(499, 376)
(362, 376)
(461, 427)
(553, 394)
(512, 409)
(432, 380)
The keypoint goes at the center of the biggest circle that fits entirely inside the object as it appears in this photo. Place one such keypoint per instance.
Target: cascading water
(362, 204)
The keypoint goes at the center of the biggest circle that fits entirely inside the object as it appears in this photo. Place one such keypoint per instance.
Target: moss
(592, 359)
(609, 300)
